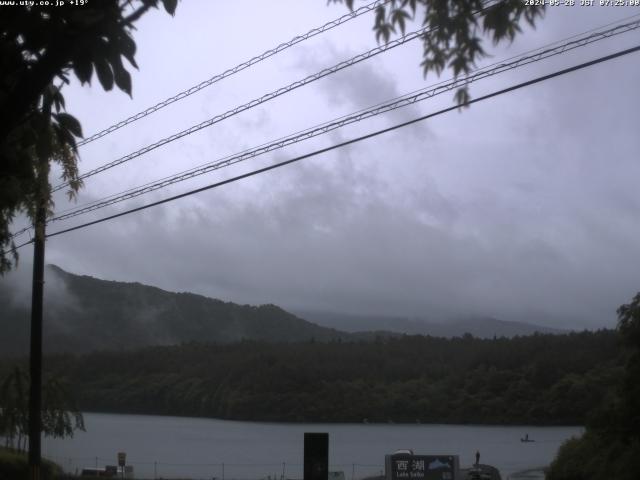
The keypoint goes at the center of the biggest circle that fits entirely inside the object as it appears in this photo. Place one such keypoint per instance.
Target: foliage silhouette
(610, 448)
(60, 416)
(457, 28)
(40, 48)
(539, 379)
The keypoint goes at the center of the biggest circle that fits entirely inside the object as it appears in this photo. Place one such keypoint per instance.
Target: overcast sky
(523, 207)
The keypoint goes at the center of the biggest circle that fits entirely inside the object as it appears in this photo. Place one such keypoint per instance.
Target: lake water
(173, 447)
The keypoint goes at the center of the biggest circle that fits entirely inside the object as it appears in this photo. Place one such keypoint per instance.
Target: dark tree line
(539, 379)
(610, 448)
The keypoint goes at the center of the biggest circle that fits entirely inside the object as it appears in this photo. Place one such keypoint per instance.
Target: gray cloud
(361, 86)
(524, 207)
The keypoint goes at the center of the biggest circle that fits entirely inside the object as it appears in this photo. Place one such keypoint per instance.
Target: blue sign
(421, 467)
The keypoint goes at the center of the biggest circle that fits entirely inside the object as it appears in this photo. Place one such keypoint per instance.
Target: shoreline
(326, 422)
(537, 473)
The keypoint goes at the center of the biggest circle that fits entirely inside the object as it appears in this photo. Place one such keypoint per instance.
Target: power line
(346, 143)
(354, 140)
(21, 231)
(531, 56)
(238, 68)
(214, 79)
(131, 193)
(265, 98)
(253, 103)
(399, 102)
(13, 249)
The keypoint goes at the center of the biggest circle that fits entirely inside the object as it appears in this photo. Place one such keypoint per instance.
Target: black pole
(37, 294)
(35, 392)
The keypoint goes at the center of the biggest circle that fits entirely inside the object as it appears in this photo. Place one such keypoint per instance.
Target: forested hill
(540, 379)
(86, 314)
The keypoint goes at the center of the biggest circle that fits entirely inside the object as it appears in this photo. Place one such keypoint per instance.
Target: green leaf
(120, 74)
(122, 78)
(58, 100)
(459, 64)
(398, 17)
(462, 97)
(170, 6)
(69, 122)
(64, 137)
(83, 70)
(128, 49)
(105, 75)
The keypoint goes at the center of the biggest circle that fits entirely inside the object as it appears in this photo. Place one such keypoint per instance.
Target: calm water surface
(170, 447)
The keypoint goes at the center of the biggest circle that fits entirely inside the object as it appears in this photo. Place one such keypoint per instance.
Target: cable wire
(343, 144)
(531, 56)
(265, 98)
(352, 141)
(398, 102)
(21, 231)
(13, 249)
(232, 71)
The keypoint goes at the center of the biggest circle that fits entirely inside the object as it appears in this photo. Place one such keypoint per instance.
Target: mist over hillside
(84, 314)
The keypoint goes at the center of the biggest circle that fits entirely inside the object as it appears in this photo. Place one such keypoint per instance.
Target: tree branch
(128, 21)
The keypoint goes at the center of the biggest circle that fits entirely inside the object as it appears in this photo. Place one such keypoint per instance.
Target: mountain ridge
(84, 314)
(478, 326)
(109, 315)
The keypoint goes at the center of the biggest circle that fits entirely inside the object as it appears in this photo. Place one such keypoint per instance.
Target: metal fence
(158, 470)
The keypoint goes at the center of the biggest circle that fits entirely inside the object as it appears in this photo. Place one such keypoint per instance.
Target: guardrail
(159, 470)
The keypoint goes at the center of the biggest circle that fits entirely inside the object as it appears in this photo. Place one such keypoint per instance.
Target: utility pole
(37, 294)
